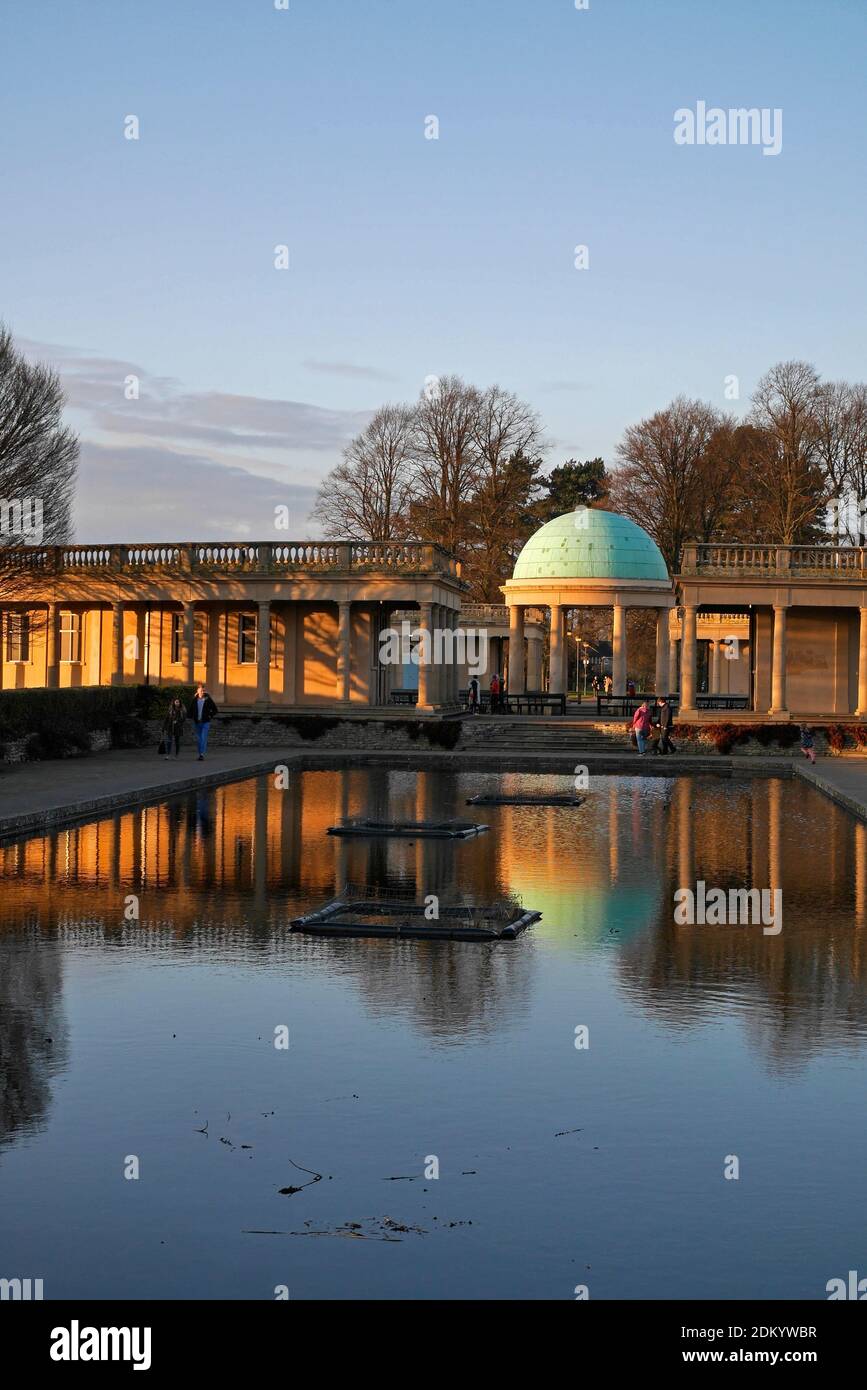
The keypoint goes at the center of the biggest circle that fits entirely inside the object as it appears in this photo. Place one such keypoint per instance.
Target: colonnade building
(765, 631)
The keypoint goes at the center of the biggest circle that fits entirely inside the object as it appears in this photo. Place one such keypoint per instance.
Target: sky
(305, 127)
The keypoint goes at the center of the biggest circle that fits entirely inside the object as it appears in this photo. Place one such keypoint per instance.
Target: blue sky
(409, 256)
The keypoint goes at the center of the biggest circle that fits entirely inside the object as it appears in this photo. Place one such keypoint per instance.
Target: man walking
(664, 720)
(202, 711)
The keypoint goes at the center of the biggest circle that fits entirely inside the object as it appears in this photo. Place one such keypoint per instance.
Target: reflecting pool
(152, 1044)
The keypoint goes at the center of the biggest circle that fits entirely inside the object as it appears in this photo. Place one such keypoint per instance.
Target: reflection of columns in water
(260, 844)
(758, 813)
(427, 851)
(775, 844)
(342, 802)
(291, 819)
(136, 831)
(613, 842)
(52, 859)
(860, 852)
(685, 835)
(114, 854)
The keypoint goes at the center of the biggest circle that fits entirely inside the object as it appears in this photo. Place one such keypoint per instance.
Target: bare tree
(367, 496)
(788, 477)
(836, 429)
(507, 435)
(659, 478)
(38, 454)
(446, 430)
(856, 467)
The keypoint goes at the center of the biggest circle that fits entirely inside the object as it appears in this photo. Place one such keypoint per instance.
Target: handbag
(162, 748)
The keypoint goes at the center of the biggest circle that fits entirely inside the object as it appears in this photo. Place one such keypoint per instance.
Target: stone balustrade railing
(832, 562)
(224, 557)
(496, 613)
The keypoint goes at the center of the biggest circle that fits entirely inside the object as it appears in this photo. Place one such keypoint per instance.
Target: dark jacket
(663, 714)
(209, 709)
(174, 720)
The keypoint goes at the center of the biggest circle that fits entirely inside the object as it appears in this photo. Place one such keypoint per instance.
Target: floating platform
(528, 799)
(362, 916)
(409, 829)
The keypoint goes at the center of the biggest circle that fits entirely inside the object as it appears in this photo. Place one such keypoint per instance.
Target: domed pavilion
(589, 559)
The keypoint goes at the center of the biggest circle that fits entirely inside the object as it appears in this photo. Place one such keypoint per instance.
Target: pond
(196, 1103)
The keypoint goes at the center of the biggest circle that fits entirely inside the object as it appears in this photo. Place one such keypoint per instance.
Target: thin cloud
(248, 454)
(349, 369)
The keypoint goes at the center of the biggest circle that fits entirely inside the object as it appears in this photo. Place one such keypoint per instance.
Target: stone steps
(515, 736)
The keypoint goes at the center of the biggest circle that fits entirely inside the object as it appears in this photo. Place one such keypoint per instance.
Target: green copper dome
(591, 544)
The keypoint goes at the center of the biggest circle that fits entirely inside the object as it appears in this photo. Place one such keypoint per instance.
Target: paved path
(34, 796)
(843, 779)
(38, 794)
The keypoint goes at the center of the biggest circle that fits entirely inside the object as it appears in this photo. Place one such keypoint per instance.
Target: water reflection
(218, 873)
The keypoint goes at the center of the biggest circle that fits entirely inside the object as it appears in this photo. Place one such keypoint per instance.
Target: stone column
(190, 641)
(619, 668)
(212, 655)
(662, 651)
(516, 649)
(778, 676)
(862, 663)
(687, 661)
(713, 667)
(51, 669)
(344, 652)
(556, 661)
(672, 667)
(425, 675)
(534, 664)
(263, 654)
(117, 644)
(455, 685)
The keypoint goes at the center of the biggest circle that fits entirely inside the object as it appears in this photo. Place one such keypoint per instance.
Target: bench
(627, 704)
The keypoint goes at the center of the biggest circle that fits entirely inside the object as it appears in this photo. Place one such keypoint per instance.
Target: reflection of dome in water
(591, 544)
(590, 912)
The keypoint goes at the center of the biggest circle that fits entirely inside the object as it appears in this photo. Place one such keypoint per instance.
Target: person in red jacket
(495, 693)
(641, 726)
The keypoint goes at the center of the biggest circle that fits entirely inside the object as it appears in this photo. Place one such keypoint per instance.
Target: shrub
(723, 736)
(307, 726)
(128, 731)
(444, 735)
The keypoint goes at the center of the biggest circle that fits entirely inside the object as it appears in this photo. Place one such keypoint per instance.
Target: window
(200, 633)
(247, 639)
(70, 636)
(18, 637)
(177, 638)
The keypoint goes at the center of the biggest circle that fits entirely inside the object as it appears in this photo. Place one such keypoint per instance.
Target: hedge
(60, 721)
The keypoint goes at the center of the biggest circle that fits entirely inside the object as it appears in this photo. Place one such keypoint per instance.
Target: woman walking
(641, 726)
(172, 728)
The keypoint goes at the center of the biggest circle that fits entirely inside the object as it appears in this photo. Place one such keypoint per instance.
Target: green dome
(591, 544)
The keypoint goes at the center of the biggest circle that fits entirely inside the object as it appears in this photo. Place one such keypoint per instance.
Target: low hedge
(57, 722)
